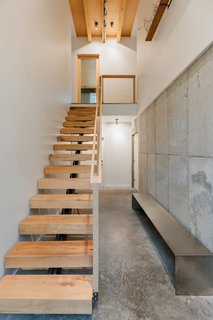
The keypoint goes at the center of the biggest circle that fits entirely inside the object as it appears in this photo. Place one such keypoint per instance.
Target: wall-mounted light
(96, 25)
(112, 24)
(116, 121)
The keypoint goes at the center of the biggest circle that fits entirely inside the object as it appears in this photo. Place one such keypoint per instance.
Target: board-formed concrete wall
(176, 149)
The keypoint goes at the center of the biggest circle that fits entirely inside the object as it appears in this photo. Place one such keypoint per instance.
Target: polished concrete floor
(136, 271)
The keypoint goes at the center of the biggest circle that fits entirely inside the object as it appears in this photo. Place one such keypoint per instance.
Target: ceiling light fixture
(96, 25)
(112, 24)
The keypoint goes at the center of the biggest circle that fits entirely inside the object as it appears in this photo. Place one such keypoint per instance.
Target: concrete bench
(193, 261)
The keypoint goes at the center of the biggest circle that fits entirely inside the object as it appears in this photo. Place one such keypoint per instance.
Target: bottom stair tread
(46, 294)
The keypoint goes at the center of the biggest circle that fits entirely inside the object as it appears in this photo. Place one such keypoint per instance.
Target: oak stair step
(76, 131)
(86, 108)
(81, 124)
(59, 201)
(63, 183)
(71, 147)
(46, 294)
(50, 254)
(75, 138)
(66, 169)
(79, 117)
(70, 157)
(57, 224)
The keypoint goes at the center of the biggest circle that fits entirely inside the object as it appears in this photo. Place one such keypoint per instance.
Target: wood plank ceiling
(92, 20)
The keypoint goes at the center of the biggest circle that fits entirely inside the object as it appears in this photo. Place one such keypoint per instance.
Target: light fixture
(96, 25)
(116, 121)
(112, 24)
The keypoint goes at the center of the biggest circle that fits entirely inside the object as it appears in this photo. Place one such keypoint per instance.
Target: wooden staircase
(69, 172)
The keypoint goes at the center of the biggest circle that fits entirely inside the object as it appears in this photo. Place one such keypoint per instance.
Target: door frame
(81, 57)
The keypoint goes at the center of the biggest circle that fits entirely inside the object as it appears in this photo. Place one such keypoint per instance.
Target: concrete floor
(135, 271)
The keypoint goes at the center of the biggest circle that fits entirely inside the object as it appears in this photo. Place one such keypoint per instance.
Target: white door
(117, 155)
(136, 164)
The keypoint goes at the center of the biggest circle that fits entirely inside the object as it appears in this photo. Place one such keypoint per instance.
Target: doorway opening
(88, 77)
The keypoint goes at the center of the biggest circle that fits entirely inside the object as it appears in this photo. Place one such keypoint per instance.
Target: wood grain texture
(156, 21)
(57, 224)
(46, 294)
(75, 138)
(78, 117)
(59, 201)
(71, 147)
(50, 254)
(121, 19)
(129, 17)
(77, 9)
(70, 157)
(63, 183)
(63, 169)
(79, 124)
(76, 131)
(87, 19)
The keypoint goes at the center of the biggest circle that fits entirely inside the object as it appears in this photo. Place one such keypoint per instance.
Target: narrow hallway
(133, 282)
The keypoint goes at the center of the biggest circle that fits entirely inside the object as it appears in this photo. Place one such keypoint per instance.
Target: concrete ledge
(193, 261)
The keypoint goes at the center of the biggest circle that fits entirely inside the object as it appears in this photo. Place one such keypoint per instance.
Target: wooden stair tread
(83, 108)
(63, 169)
(63, 183)
(75, 138)
(57, 224)
(46, 294)
(80, 117)
(76, 131)
(71, 147)
(70, 157)
(79, 124)
(59, 201)
(50, 254)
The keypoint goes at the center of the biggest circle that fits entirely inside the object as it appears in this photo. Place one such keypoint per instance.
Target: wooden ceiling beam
(102, 22)
(121, 19)
(163, 5)
(87, 19)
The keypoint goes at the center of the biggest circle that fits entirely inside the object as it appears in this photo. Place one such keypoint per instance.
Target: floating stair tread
(57, 201)
(70, 157)
(63, 169)
(46, 294)
(50, 254)
(75, 138)
(63, 183)
(57, 224)
(71, 147)
(80, 117)
(79, 124)
(78, 108)
(76, 131)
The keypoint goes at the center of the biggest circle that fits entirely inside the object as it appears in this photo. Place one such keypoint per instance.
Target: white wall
(35, 54)
(115, 58)
(184, 32)
(117, 154)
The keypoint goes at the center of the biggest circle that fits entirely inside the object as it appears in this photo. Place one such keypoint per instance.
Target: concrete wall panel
(161, 124)
(151, 178)
(201, 199)
(178, 188)
(151, 129)
(177, 116)
(201, 106)
(162, 175)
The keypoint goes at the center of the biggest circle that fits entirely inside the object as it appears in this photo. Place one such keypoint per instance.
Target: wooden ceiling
(119, 12)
